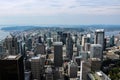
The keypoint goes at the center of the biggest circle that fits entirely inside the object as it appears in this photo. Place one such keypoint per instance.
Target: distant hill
(18, 28)
(81, 27)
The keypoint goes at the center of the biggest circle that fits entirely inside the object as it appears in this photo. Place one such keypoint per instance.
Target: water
(110, 33)
(3, 34)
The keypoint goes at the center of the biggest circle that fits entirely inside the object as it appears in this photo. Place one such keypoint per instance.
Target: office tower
(23, 50)
(75, 39)
(64, 36)
(11, 45)
(2, 49)
(49, 73)
(90, 38)
(84, 55)
(58, 54)
(69, 46)
(96, 51)
(58, 38)
(72, 69)
(12, 68)
(35, 68)
(112, 41)
(49, 34)
(85, 39)
(105, 43)
(86, 68)
(29, 44)
(99, 38)
(19, 46)
(60, 34)
(44, 38)
(40, 49)
(95, 64)
(78, 60)
(39, 39)
(81, 35)
(79, 49)
(58, 74)
(14, 45)
(49, 42)
(87, 46)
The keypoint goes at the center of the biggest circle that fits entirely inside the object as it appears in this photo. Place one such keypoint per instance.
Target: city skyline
(36, 12)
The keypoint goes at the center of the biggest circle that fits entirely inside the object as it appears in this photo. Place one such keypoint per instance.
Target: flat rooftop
(99, 30)
(12, 57)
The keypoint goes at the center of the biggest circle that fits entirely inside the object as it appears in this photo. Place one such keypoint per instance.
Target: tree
(118, 53)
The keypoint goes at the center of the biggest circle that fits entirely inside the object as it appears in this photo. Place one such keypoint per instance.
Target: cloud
(56, 7)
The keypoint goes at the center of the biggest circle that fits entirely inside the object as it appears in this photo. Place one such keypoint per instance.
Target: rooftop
(57, 43)
(95, 59)
(12, 57)
(99, 30)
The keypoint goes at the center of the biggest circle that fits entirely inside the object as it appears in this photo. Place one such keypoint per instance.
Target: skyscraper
(12, 68)
(96, 51)
(29, 44)
(69, 46)
(39, 39)
(58, 54)
(11, 45)
(35, 67)
(72, 69)
(64, 36)
(112, 41)
(85, 39)
(99, 38)
(40, 49)
(49, 73)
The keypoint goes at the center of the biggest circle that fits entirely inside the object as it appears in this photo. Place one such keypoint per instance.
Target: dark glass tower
(12, 68)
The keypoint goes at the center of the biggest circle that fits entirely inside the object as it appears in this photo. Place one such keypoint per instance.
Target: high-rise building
(2, 49)
(72, 69)
(19, 46)
(12, 68)
(78, 60)
(64, 36)
(39, 39)
(112, 41)
(23, 50)
(58, 54)
(79, 49)
(29, 44)
(69, 46)
(40, 49)
(35, 68)
(59, 33)
(87, 46)
(96, 51)
(85, 39)
(11, 45)
(49, 73)
(99, 38)
(44, 38)
(95, 64)
(84, 55)
(49, 42)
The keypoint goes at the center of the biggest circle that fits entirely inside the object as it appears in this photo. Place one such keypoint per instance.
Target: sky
(37, 12)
